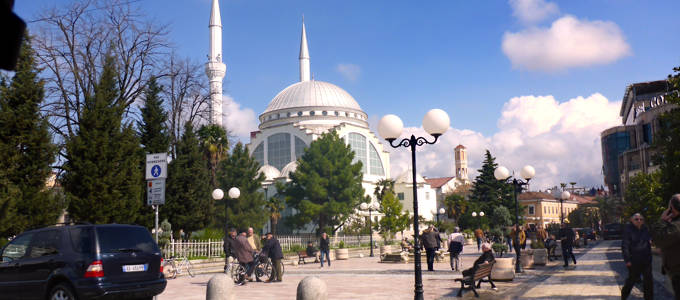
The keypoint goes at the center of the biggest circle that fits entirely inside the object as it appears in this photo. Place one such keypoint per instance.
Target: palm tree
(275, 205)
(382, 187)
(215, 144)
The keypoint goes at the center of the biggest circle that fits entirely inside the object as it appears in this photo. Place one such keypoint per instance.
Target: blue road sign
(156, 171)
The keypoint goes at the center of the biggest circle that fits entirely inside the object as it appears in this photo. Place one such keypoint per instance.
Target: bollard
(312, 288)
(220, 287)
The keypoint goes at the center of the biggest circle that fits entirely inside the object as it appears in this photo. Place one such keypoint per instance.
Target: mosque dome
(289, 168)
(270, 172)
(313, 93)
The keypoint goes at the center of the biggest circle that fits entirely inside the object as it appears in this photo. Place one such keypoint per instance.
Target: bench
(468, 282)
(301, 257)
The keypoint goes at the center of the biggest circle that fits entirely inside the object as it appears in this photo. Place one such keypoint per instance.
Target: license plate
(135, 268)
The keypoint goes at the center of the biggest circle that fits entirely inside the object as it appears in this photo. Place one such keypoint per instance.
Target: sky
(532, 81)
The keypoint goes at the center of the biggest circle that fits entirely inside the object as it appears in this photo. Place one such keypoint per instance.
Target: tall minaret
(304, 55)
(214, 68)
(460, 153)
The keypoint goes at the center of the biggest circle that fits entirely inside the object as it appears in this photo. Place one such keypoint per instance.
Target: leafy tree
(643, 195)
(667, 140)
(241, 170)
(393, 219)
(153, 135)
(326, 187)
(487, 190)
(456, 205)
(188, 204)
(383, 186)
(103, 175)
(214, 145)
(26, 151)
(584, 216)
(501, 217)
(610, 209)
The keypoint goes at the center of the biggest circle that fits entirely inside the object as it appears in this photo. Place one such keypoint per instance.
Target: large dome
(313, 93)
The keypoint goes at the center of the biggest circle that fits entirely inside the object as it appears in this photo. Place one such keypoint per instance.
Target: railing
(215, 248)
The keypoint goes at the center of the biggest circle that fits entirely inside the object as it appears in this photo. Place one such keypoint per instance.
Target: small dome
(270, 172)
(407, 178)
(289, 168)
(313, 93)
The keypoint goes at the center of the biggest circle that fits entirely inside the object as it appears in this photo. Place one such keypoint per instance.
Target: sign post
(156, 173)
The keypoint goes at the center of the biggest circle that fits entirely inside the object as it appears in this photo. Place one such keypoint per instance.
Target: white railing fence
(215, 248)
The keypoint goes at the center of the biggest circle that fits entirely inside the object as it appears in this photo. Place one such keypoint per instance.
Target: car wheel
(62, 292)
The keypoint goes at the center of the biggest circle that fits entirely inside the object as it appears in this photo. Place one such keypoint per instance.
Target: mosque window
(311, 113)
(325, 113)
(376, 163)
(279, 150)
(358, 143)
(299, 147)
(288, 114)
(337, 113)
(299, 114)
(258, 154)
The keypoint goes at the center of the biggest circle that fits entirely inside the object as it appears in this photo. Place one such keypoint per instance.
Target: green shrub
(469, 233)
(341, 245)
(208, 233)
(537, 244)
(165, 234)
(498, 248)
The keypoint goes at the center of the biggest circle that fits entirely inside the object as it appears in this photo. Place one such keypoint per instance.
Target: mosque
(298, 115)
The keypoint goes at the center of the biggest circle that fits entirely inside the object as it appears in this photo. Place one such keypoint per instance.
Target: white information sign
(155, 192)
(156, 166)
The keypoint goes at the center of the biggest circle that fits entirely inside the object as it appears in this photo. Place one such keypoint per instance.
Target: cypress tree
(487, 191)
(102, 173)
(241, 170)
(26, 151)
(188, 204)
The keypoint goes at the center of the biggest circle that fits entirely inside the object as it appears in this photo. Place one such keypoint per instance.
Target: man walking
(479, 234)
(272, 248)
(456, 241)
(430, 243)
(229, 247)
(567, 237)
(666, 236)
(324, 248)
(244, 254)
(637, 253)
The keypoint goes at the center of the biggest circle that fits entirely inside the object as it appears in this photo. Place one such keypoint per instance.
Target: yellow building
(543, 209)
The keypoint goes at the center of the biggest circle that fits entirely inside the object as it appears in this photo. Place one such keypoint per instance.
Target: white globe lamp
(234, 193)
(390, 127)
(501, 173)
(436, 122)
(218, 194)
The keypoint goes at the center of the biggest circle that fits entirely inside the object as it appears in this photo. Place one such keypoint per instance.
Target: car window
(124, 239)
(45, 243)
(81, 239)
(16, 249)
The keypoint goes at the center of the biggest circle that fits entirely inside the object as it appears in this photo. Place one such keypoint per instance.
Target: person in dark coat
(272, 248)
(637, 253)
(567, 238)
(485, 258)
(666, 236)
(431, 244)
(244, 254)
(229, 244)
(324, 248)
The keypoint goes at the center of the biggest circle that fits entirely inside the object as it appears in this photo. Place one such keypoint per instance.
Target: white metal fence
(215, 248)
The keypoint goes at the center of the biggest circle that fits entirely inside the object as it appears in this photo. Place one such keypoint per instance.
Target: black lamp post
(218, 194)
(370, 207)
(502, 173)
(436, 122)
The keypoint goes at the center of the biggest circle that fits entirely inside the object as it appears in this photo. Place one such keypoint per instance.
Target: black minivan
(82, 262)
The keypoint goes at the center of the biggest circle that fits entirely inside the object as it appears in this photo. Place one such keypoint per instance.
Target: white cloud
(568, 43)
(533, 11)
(351, 72)
(561, 140)
(239, 121)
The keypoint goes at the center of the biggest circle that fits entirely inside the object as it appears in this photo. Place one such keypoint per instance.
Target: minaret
(460, 153)
(214, 68)
(304, 55)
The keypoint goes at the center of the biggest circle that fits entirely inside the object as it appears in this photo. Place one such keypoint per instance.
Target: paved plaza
(598, 275)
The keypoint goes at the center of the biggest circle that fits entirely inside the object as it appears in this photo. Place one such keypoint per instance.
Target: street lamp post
(436, 122)
(441, 211)
(481, 214)
(564, 196)
(502, 173)
(370, 207)
(218, 194)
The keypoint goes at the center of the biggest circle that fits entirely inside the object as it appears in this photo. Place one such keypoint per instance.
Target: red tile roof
(535, 195)
(438, 182)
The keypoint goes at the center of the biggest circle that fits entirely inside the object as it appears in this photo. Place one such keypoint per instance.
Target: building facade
(543, 208)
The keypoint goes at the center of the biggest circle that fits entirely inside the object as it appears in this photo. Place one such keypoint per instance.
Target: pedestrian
(637, 253)
(456, 241)
(522, 238)
(666, 236)
(567, 239)
(430, 243)
(244, 254)
(485, 258)
(272, 248)
(509, 237)
(479, 234)
(229, 247)
(254, 240)
(541, 233)
(324, 248)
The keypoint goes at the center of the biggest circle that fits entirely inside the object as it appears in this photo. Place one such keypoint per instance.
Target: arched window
(258, 154)
(279, 150)
(358, 144)
(299, 147)
(376, 163)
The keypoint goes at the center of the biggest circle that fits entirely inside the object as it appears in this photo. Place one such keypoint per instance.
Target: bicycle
(175, 268)
(264, 267)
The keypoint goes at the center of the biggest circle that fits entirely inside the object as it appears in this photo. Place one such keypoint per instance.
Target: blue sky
(470, 58)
